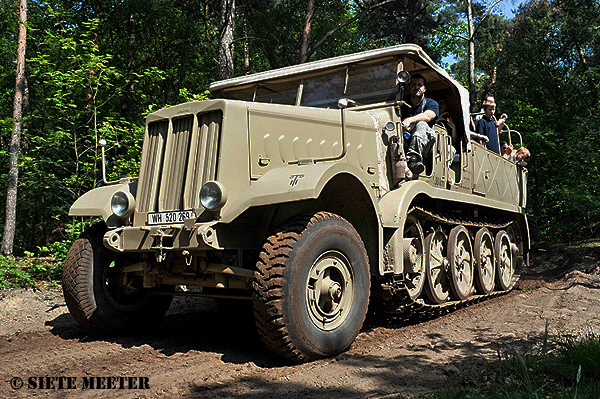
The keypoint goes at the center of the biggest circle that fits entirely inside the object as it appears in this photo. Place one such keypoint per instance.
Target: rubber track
(393, 296)
(76, 275)
(268, 283)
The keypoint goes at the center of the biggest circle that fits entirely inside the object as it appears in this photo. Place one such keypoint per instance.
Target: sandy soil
(205, 352)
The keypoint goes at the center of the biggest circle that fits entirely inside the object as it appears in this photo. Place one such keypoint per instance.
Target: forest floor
(202, 351)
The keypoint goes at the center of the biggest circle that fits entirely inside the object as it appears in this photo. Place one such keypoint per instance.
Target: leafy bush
(28, 272)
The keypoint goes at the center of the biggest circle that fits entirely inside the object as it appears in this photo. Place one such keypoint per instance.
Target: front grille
(180, 155)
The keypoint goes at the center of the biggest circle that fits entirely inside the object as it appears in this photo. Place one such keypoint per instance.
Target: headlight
(403, 78)
(122, 203)
(212, 195)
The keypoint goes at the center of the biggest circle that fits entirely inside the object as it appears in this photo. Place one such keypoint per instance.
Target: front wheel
(311, 287)
(98, 294)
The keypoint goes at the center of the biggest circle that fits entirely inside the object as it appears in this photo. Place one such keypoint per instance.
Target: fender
(294, 183)
(96, 203)
(394, 204)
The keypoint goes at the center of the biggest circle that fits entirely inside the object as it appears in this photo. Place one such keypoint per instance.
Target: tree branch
(485, 16)
(344, 24)
(451, 34)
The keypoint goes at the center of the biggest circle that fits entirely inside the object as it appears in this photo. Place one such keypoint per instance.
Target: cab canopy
(368, 77)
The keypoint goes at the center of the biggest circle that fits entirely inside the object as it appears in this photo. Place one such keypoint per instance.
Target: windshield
(364, 84)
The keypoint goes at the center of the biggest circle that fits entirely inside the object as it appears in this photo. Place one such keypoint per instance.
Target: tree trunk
(471, 42)
(305, 40)
(131, 46)
(226, 39)
(15, 141)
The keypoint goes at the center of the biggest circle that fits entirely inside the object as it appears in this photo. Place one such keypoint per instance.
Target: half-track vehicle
(289, 189)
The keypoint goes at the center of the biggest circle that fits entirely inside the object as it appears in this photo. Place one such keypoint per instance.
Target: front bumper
(158, 239)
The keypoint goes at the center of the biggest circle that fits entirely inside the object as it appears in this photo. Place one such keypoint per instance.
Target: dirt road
(201, 351)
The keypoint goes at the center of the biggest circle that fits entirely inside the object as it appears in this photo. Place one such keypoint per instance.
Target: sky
(507, 7)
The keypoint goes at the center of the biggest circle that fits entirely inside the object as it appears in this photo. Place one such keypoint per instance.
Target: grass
(556, 368)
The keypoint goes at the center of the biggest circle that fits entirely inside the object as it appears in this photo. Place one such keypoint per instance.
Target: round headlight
(403, 77)
(122, 203)
(212, 195)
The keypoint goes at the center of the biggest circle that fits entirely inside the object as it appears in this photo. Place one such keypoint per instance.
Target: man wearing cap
(418, 114)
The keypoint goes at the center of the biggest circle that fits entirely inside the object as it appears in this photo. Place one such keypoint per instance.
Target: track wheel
(504, 260)
(437, 284)
(414, 269)
(99, 295)
(311, 287)
(460, 255)
(485, 268)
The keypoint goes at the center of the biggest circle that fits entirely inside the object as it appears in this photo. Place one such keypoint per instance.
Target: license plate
(169, 217)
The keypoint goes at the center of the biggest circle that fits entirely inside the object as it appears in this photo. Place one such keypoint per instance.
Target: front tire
(94, 292)
(311, 287)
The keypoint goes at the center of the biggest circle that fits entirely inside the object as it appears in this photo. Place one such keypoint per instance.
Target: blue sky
(507, 7)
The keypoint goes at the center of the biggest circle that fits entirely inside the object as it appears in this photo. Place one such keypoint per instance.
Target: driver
(419, 113)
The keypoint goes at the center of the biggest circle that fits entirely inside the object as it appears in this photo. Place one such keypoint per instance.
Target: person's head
(418, 85)
(522, 153)
(489, 107)
(504, 148)
(443, 105)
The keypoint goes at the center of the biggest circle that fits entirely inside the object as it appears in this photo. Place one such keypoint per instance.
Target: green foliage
(27, 272)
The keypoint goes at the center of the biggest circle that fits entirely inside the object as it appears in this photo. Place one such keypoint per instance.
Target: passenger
(479, 115)
(519, 155)
(488, 126)
(418, 114)
(446, 121)
(506, 149)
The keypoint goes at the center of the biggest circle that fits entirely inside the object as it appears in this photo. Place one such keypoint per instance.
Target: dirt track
(200, 351)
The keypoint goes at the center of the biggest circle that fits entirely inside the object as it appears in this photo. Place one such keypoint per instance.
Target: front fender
(96, 203)
(294, 183)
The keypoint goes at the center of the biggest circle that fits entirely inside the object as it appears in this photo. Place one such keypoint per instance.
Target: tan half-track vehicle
(289, 189)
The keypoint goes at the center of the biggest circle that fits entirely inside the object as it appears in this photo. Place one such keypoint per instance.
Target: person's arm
(425, 116)
(480, 135)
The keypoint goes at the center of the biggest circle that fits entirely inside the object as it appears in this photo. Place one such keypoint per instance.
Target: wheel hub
(329, 290)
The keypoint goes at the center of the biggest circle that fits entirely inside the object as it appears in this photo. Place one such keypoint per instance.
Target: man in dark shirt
(417, 116)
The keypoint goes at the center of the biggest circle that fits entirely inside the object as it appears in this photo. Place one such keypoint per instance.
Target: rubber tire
(281, 280)
(479, 280)
(454, 284)
(82, 283)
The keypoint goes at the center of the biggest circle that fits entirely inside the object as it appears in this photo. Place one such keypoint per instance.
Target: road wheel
(516, 244)
(95, 290)
(311, 287)
(414, 269)
(504, 260)
(460, 255)
(485, 266)
(436, 285)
